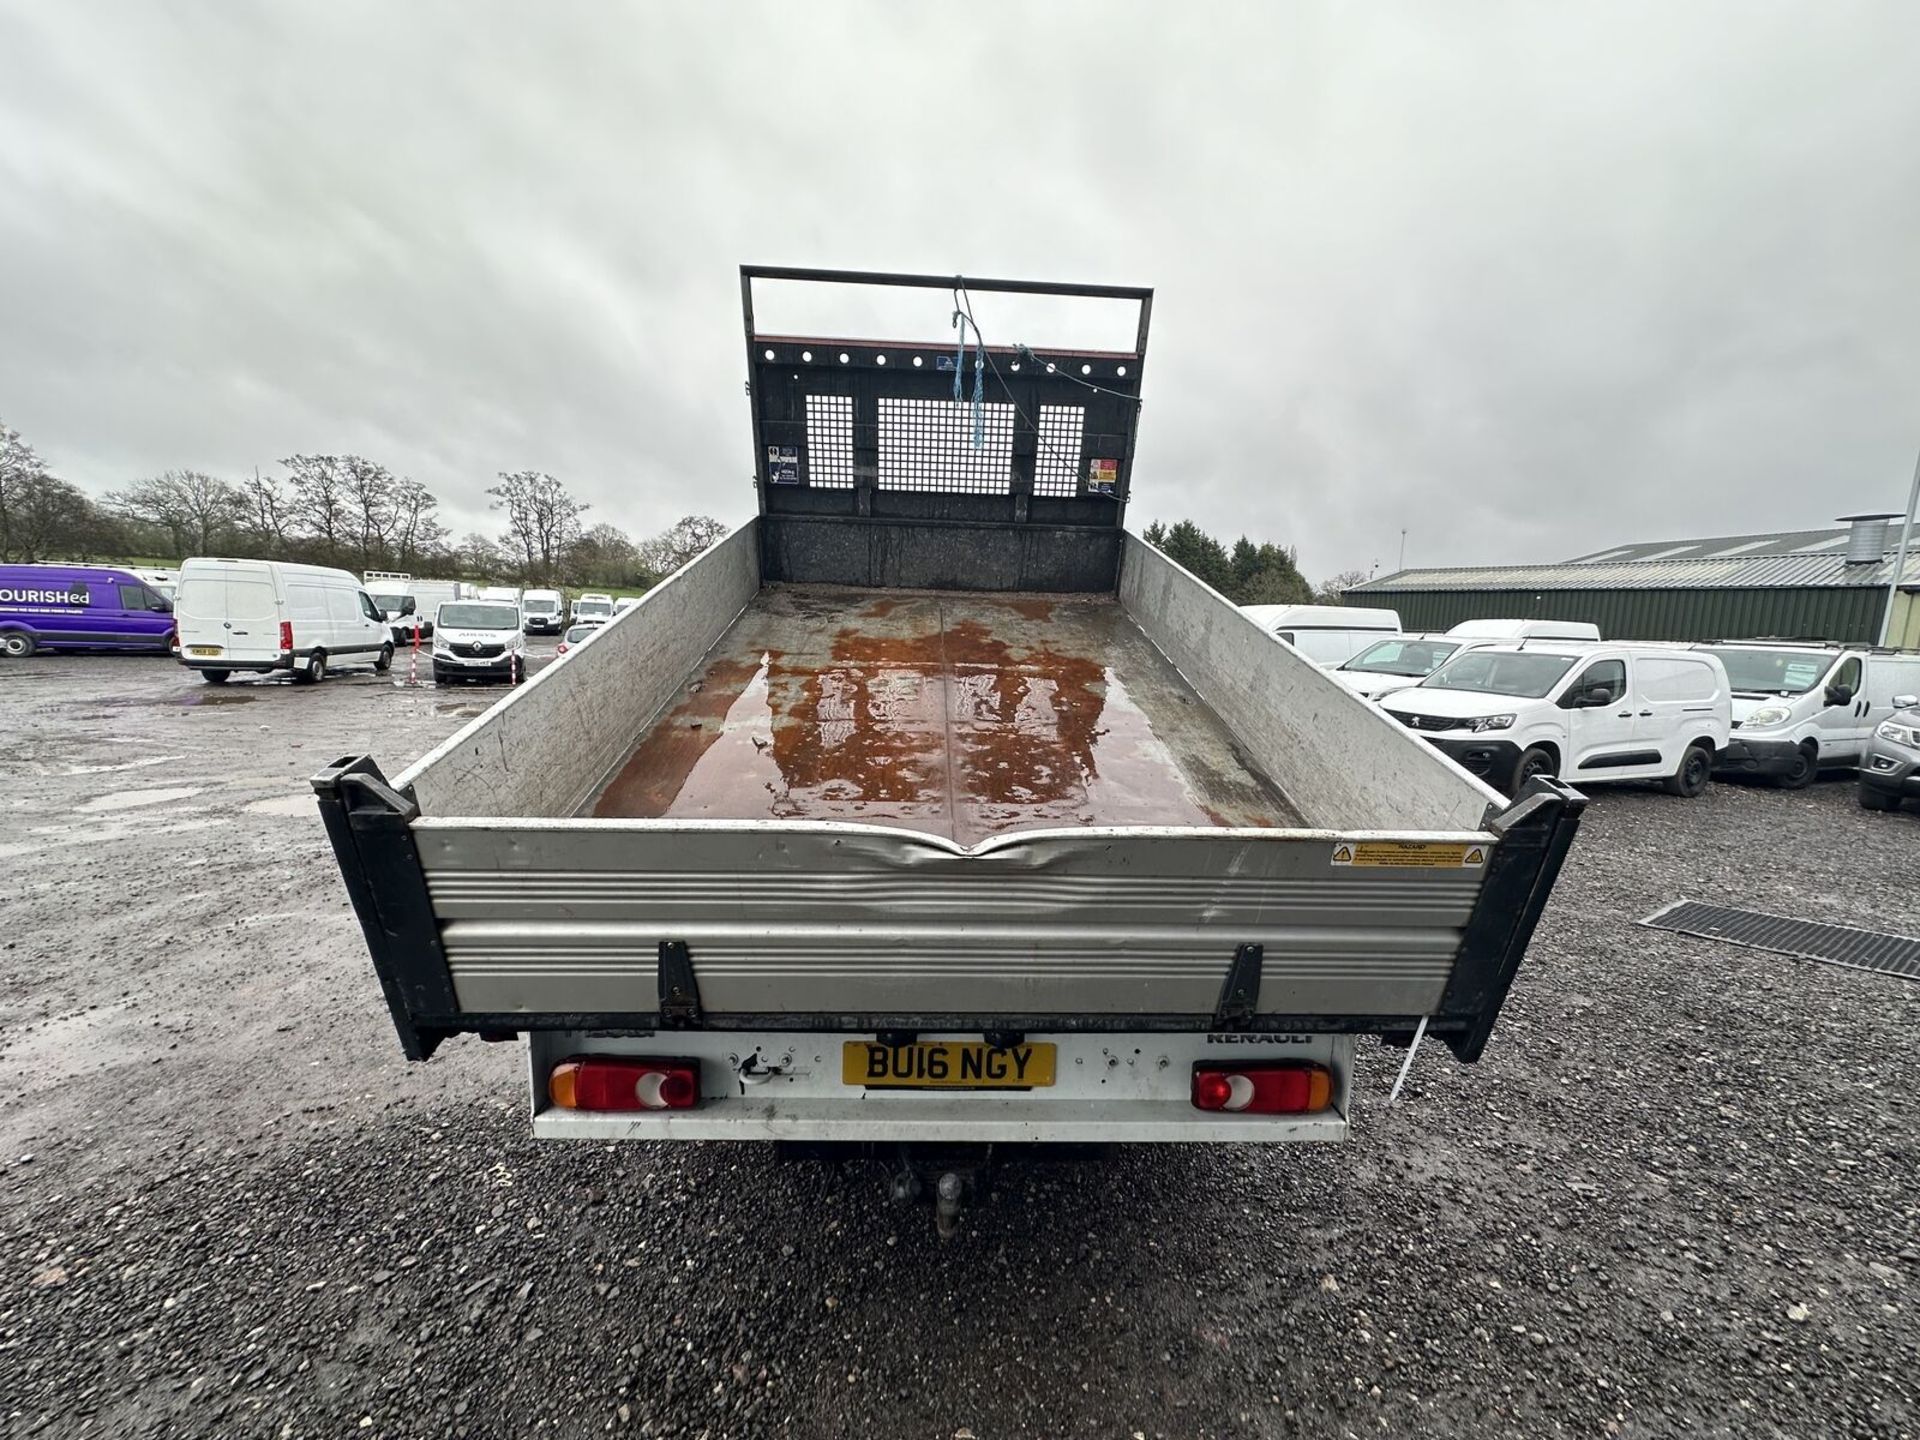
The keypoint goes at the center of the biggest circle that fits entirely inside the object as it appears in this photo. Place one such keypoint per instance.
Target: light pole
(1900, 556)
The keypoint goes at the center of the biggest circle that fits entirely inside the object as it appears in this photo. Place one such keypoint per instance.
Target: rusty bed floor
(963, 715)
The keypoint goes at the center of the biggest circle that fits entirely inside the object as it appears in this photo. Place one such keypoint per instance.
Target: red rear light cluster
(1291, 1087)
(618, 1082)
(286, 635)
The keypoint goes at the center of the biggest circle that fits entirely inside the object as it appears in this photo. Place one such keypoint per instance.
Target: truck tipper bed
(934, 806)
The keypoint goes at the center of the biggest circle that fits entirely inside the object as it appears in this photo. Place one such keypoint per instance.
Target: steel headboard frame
(869, 431)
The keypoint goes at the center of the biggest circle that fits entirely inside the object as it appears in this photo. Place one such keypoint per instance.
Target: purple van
(80, 607)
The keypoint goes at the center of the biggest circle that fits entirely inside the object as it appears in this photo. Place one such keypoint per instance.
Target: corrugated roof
(1776, 542)
(1679, 573)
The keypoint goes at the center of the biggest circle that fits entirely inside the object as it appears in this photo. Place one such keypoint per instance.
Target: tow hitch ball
(953, 1185)
(946, 1204)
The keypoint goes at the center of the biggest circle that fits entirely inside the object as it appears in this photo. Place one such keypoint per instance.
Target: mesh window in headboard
(1056, 462)
(928, 445)
(830, 441)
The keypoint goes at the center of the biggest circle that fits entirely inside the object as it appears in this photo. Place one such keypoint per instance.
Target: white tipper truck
(933, 812)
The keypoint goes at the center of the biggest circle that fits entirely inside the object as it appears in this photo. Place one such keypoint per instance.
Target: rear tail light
(607, 1082)
(286, 635)
(1288, 1088)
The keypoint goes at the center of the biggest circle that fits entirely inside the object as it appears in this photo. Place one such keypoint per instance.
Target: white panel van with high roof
(1328, 635)
(265, 615)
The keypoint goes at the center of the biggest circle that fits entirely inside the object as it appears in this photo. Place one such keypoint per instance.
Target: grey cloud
(1523, 280)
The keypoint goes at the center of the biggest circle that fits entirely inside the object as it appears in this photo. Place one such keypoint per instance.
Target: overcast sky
(1522, 279)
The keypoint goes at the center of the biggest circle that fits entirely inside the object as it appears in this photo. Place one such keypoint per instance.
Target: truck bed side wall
(543, 752)
(1341, 761)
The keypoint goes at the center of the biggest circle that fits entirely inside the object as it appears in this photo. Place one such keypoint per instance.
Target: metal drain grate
(1809, 939)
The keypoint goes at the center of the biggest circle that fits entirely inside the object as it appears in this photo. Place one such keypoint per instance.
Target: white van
(161, 579)
(263, 615)
(1586, 713)
(593, 606)
(1397, 661)
(395, 600)
(1328, 635)
(1801, 705)
(479, 640)
(545, 611)
(1526, 630)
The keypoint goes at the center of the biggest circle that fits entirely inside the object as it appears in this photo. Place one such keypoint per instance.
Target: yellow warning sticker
(1410, 854)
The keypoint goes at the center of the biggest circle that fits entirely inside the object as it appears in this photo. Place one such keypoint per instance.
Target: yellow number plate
(945, 1065)
(204, 650)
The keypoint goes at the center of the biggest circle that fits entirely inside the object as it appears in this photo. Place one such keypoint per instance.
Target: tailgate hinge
(679, 991)
(1240, 995)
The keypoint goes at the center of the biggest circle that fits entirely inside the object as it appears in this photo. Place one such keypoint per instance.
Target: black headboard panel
(872, 470)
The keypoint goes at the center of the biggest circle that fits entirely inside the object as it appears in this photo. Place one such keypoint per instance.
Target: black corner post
(369, 823)
(1534, 834)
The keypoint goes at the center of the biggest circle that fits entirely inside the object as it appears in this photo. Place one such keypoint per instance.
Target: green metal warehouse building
(1831, 584)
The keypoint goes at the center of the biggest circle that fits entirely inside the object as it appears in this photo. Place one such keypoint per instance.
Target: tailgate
(511, 925)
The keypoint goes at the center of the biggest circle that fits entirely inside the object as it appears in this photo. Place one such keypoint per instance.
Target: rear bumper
(1126, 1089)
(1741, 756)
(253, 667)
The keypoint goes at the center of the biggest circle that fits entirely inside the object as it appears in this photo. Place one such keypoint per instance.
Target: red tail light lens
(286, 635)
(607, 1082)
(1291, 1087)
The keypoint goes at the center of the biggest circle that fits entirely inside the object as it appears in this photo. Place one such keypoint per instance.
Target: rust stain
(954, 729)
(661, 767)
(861, 736)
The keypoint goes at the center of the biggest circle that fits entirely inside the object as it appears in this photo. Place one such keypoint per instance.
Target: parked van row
(1510, 699)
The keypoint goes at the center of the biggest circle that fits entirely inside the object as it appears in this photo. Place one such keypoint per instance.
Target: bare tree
(48, 518)
(480, 555)
(606, 556)
(1333, 590)
(199, 512)
(20, 469)
(369, 489)
(417, 531)
(320, 502)
(43, 517)
(269, 512)
(543, 520)
(682, 541)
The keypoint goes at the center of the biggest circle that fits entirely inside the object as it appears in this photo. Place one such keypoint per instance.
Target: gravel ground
(1678, 1196)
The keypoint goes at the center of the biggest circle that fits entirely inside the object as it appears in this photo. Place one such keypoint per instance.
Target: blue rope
(979, 382)
(960, 319)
